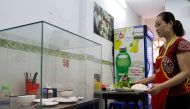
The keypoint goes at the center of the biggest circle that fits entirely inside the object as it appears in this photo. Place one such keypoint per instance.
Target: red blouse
(170, 64)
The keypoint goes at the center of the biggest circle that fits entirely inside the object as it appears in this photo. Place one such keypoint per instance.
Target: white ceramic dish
(45, 100)
(49, 103)
(66, 93)
(66, 100)
(25, 99)
(80, 98)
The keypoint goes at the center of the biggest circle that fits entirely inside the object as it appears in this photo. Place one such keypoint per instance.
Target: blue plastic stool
(118, 105)
(140, 105)
(131, 105)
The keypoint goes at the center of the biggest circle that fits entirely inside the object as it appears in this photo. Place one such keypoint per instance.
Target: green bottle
(123, 62)
(4, 95)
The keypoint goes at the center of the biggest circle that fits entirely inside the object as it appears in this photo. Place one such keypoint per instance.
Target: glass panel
(150, 56)
(20, 49)
(17, 44)
(69, 61)
(150, 63)
(27, 34)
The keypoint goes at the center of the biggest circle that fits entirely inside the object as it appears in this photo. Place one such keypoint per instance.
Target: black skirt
(178, 102)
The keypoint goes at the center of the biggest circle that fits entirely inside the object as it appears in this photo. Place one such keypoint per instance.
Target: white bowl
(66, 93)
(26, 99)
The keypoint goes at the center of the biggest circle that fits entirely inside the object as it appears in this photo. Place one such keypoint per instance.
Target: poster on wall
(129, 53)
(103, 23)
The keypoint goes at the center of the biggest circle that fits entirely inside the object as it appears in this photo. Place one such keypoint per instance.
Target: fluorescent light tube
(122, 3)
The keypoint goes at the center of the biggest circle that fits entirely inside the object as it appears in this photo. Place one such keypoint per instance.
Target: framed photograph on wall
(103, 23)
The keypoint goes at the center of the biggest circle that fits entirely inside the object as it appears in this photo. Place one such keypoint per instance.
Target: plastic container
(50, 93)
(4, 95)
(31, 88)
(44, 93)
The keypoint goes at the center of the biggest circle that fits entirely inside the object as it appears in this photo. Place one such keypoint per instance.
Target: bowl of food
(66, 93)
(25, 99)
(140, 87)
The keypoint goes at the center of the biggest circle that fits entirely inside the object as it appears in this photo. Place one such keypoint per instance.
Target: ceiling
(180, 8)
(150, 8)
(147, 8)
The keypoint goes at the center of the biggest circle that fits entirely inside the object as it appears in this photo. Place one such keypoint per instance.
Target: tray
(125, 90)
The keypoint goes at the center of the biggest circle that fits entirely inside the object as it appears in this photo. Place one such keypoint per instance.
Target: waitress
(172, 66)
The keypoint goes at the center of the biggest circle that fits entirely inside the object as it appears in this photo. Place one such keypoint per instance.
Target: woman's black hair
(177, 26)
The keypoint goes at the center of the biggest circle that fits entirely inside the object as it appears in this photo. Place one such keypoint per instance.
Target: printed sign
(136, 73)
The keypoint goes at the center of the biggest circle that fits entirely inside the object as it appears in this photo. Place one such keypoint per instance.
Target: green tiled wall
(36, 49)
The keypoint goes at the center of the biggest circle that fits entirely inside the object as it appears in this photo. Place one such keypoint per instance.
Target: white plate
(44, 100)
(49, 103)
(80, 98)
(66, 100)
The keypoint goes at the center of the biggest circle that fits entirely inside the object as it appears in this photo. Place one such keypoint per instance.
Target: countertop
(94, 102)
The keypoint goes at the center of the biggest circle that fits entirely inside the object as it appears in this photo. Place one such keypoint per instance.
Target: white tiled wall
(79, 76)
(3, 66)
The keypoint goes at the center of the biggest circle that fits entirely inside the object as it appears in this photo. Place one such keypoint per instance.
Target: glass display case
(40, 56)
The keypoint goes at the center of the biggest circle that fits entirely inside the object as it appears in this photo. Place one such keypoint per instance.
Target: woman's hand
(155, 89)
(138, 82)
(146, 81)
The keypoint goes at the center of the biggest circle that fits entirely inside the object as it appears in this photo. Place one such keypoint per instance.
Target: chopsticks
(28, 77)
(34, 78)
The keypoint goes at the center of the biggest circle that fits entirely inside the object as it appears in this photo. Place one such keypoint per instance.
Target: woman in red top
(172, 67)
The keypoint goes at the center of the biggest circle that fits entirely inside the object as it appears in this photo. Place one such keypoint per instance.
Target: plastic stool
(118, 105)
(131, 105)
(140, 105)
